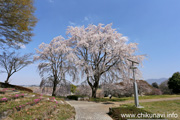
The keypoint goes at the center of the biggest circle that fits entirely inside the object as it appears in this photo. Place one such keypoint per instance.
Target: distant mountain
(158, 81)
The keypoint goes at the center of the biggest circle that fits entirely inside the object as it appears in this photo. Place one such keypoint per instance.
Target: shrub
(4, 99)
(73, 88)
(74, 97)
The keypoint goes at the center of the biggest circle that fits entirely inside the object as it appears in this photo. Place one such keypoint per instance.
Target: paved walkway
(90, 110)
(98, 111)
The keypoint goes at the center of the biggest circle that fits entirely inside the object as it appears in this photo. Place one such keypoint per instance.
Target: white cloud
(84, 21)
(86, 18)
(89, 19)
(72, 23)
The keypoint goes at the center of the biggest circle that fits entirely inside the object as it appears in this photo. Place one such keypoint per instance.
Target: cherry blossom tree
(101, 53)
(54, 63)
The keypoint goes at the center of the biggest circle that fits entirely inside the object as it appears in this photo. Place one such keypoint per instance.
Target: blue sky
(154, 24)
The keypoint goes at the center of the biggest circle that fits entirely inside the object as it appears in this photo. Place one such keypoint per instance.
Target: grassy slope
(62, 111)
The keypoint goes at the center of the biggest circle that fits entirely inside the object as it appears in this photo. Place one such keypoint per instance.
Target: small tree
(13, 63)
(101, 52)
(174, 83)
(73, 88)
(16, 22)
(54, 64)
(164, 88)
(155, 85)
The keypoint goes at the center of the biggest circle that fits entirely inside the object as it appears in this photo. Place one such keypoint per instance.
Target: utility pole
(136, 100)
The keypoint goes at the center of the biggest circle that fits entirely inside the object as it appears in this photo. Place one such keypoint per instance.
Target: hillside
(20, 105)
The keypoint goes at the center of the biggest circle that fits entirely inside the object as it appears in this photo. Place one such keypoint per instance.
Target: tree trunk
(7, 79)
(94, 90)
(6, 82)
(54, 87)
(94, 86)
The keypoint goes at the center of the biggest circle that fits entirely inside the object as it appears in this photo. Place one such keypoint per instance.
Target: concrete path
(90, 110)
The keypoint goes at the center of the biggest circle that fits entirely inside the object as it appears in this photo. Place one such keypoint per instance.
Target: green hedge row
(74, 97)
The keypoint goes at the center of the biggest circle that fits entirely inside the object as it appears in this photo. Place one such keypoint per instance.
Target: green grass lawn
(115, 99)
(168, 109)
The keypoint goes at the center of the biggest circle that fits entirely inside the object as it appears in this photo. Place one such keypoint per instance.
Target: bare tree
(101, 52)
(54, 65)
(13, 63)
